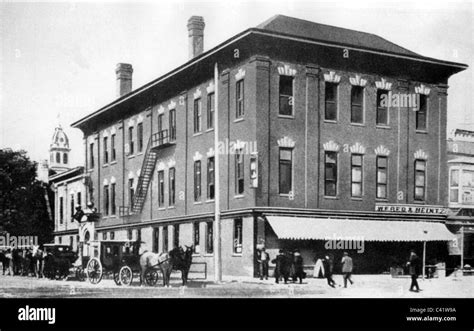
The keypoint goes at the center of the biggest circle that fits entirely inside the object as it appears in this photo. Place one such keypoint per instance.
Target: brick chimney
(196, 35)
(124, 78)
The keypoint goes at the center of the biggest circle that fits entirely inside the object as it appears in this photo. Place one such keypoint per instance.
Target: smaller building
(461, 196)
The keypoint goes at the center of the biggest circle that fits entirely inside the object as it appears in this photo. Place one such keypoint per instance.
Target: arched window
(65, 158)
(58, 158)
(51, 158)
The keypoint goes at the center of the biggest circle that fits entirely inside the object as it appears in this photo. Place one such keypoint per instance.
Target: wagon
(58, 251)
(118, 258)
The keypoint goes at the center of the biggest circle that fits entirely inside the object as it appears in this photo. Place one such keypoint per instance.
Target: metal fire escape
(156, 142)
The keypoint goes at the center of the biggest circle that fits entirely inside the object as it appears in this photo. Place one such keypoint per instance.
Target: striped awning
(303, 228)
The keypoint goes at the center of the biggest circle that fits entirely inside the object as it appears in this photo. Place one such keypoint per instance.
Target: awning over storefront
(326, 229)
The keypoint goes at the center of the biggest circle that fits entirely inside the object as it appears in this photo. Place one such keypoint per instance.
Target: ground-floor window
(176, 236)
(196, 237)
(237, 243)
(209, 238)
(156, 240)
(165, 239)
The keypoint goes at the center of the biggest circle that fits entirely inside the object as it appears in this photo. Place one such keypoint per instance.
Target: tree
(23, 206)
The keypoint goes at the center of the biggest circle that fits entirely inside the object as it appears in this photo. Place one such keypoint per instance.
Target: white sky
(60, 57)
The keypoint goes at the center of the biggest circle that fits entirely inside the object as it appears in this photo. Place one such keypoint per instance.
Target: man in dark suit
(414, 270)
(282, 267)
(328, 265)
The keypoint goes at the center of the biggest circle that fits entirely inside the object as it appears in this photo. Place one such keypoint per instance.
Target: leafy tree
(23, 204)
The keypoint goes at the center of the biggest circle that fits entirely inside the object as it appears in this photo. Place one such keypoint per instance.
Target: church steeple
(59, 151)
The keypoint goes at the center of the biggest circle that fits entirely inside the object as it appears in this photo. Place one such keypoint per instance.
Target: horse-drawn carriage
(58, 260)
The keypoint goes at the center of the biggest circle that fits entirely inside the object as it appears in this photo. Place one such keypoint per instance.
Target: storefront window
(468, 187)
(238, 236)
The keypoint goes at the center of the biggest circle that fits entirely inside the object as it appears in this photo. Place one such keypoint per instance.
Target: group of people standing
(288, 265)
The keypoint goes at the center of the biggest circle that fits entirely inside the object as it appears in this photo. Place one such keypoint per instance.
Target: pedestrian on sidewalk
(282, 267)
(347, 268)
(328, 267)
(298, 267)
(262, 260)
(414, 271)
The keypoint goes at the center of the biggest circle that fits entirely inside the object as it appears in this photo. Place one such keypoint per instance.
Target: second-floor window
(106, 200)
(61, 210)
(172, 186)
(131, 147)
(197, 115)
(113, 205)
(382, 179)
(161, 188)
(131, 191)
(79, 199)
(285, 182)
(91, 155)
(356, 175)
(382, 109)
(106, 150)
(239, 172)
(72, 206)
(454, 186)
(239, 99)
(160, 122)
(286, 95)
(197, 180)
(210, 178)
(140, 137)
(420, 179)
(357, 105)
(210, 110)
(330, 102)
(172, 119)
(422, 113)
(112, 148)
(330, 174)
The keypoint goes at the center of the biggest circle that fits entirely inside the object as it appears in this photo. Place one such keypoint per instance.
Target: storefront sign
(411, 209)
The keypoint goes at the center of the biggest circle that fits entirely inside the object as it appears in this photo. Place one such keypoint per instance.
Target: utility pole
(217, 211)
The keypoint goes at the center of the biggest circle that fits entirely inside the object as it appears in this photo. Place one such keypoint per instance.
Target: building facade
(305, 131)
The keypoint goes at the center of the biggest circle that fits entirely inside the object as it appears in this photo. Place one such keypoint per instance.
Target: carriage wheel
(80, 274)
(151, 277)
(117, 278)
(94, 271)
(126, 275)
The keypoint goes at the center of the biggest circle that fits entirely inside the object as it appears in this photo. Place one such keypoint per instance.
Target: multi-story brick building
(328, 150)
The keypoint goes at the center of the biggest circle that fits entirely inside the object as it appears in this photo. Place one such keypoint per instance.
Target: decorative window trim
(160, 166)
(286, 142)
(197, 94)
(420, 155)
(357, 148)
(113, 180)
(161, 110)
(286, 70)
(131, 122)
(210, 152)
(240, 74)
(382, 151)
(422, 89)
(171, 105)
(210, 88)
(105, 134)
(358, 81)
(197, 156)
(171, 163)
(113, 130)
(131, 175)
(382, 84)
(331, 146)
(105, 182)
(140, 118)
(332, 77)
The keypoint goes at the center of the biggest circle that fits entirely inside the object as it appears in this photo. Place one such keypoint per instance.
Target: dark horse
(6, 260)
(181, 259)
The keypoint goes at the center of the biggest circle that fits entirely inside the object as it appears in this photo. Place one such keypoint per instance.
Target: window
(237, 243)
(172, 124)
(330, 174)
(356, 175)
(422, 112)
(467, 182)
(382, 111)
(454, 185)
(382, 177)
(197, 115)
(197, 180)
(106, 151)
(104, 235)
(131, 147)
(286, 95)
(139, 235)
(156, 240)
(71, 241)
(172, 186)
(60, 239)
(196, 237)
(357, 99)
(160, 122)
(106, 199)
(61, 210)
(58, 157)
(112, 199)
(239, 171)
(129, 234)
(72, 206)
(131, 191)
(112, 148)
(210, 178)
(79, 199)
(112, 235)
(330, 102)
(91, 155)
(140, 137)
(210, 110)
(165, 239)
(65, 158)
(420, 179)
(209, 238)
(239, 99)
(176, 236)
(161, 188)
(285, 171)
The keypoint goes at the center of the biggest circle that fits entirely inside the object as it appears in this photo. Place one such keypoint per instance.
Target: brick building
(303, 137)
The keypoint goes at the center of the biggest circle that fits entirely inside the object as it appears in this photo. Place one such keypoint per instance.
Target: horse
(181, 260)
(27, 267)
(58, 267)
(153, 260)
(6, 259)
(17, 260)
